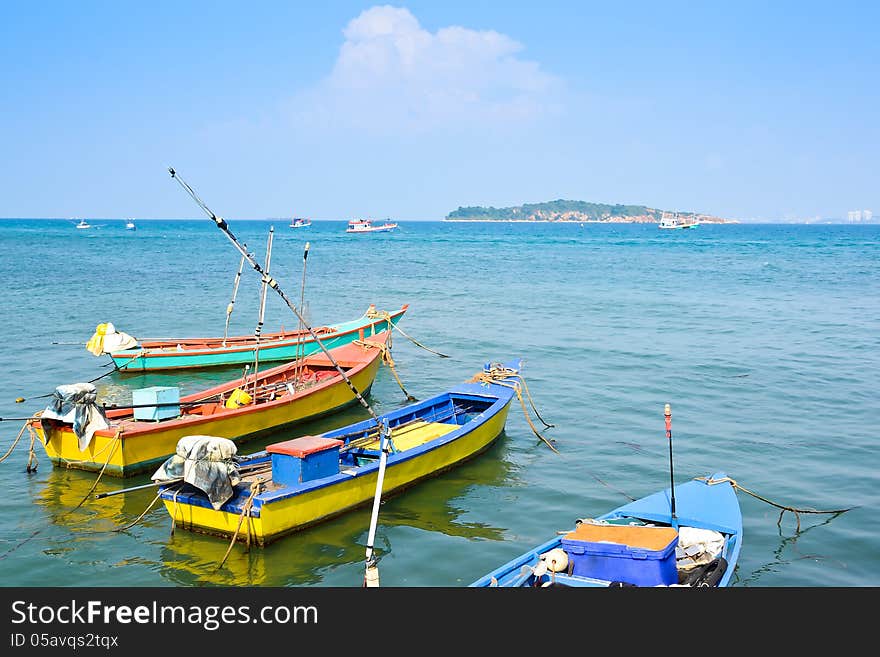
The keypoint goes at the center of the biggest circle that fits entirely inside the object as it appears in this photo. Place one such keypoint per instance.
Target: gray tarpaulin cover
(206, 463)
(75, 404)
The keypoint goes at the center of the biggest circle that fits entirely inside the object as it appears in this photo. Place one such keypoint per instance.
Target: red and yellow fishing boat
(77, 433)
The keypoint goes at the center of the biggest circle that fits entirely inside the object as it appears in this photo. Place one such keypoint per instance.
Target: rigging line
(384, 314)
(222, 225)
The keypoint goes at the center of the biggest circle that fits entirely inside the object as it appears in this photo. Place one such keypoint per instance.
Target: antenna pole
(668, 413)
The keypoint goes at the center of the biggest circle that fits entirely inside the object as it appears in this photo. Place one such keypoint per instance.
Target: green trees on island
(560, 210)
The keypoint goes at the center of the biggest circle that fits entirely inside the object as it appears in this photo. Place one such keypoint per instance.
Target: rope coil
(500, 375)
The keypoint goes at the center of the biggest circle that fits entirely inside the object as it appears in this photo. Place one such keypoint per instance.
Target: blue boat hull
(708, 503)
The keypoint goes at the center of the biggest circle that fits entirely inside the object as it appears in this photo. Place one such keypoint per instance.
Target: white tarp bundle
(206, 462)
(75, 404)
(697, 547)
(107, 340)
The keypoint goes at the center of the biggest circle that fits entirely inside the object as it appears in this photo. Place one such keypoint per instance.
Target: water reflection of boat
(68, 498)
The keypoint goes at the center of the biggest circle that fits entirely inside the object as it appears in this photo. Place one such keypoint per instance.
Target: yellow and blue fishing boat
(130, 355)
(78, 433)
(308, 479)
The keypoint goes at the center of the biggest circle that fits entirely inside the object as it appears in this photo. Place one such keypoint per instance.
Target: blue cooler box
(634, 554)
(165, 398)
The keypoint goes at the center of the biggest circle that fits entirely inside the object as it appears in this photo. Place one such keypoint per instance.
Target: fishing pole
(152, 484)
(371, 569)
(259, 326)
(232, 300)
(272, 283)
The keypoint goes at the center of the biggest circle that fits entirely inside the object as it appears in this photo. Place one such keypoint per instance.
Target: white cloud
(393, 74)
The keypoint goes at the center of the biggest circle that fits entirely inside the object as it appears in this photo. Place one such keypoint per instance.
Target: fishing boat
(299, 222)
(653, 541)
(308, 479)
(83, 224)
(367, 226)
(130, 225)
(130, 355)
(674, 220)
(77, 433)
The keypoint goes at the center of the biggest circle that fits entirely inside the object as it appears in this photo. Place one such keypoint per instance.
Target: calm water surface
(765, 340)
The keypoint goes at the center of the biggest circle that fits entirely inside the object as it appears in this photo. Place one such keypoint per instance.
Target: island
(577, 211)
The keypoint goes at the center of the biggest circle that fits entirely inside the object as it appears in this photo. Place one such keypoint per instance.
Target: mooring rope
(388, 360)
(32, 462)
(138, 519)
(42, 527)
(784, 508)
(384, 314)
(15, 442)
(115, 444)
(256, 487)
(499, 375)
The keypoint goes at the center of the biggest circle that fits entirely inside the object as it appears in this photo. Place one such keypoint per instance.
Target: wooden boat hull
(282, 510)
(142, 445)
(705, 503)
(274, 347)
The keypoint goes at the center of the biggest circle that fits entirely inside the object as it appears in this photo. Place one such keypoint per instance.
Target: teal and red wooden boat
(691, 538)
(181, 353)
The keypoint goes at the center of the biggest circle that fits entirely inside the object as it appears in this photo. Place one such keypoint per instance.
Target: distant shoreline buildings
(859, 216)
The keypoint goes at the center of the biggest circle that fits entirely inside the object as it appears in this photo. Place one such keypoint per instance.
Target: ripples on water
(764, 340)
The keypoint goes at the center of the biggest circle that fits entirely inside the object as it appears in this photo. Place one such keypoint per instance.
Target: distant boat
(129, 225)
(83, 224)
(366, 226)
(674, 220)
(299, 222)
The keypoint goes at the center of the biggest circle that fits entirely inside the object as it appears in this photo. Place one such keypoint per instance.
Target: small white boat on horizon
(673, 220)
(83, 224)
(366, 226)
(299, 222)
(129, 225)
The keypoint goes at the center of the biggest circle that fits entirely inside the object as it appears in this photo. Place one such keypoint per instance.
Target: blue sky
(748, 110)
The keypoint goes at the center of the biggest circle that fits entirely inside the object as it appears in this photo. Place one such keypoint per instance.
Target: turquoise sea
(763, 338)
